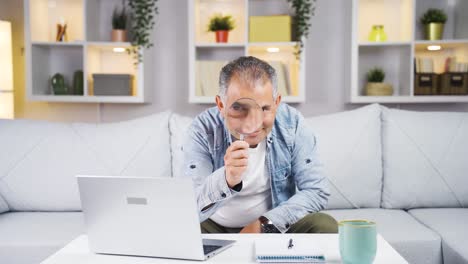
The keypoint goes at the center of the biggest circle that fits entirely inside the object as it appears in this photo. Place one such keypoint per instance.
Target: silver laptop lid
(141, 216)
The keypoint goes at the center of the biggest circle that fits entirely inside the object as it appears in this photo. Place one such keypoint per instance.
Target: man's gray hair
(248, 69)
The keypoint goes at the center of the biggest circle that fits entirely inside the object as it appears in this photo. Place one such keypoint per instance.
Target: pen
(290, 245)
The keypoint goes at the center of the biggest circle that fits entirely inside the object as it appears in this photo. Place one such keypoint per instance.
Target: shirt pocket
(283, 181)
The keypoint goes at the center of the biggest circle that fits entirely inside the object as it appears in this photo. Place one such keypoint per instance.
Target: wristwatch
(267, 226)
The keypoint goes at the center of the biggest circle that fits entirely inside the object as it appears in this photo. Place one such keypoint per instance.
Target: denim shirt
(298, 186)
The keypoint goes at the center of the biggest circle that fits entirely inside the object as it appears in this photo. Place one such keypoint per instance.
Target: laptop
(152, 217)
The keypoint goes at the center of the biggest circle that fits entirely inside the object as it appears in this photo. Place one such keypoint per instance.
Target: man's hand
(235, 162)
(254, 227)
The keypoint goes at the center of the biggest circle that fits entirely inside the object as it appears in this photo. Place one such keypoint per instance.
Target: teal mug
(358, 241)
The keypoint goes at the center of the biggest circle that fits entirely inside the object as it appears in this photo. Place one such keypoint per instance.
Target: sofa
(406, 170)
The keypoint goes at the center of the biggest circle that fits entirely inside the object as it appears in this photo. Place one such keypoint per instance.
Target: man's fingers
(238, 154)
(238, 145)
(237, 162)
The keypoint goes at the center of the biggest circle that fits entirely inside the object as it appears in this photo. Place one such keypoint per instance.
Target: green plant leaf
(143, 13)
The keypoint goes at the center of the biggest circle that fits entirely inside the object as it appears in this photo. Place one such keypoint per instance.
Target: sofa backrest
(425, 159)
(178, 127)
(3, 205)
(39, 160)
(350, 148)
(349, 145)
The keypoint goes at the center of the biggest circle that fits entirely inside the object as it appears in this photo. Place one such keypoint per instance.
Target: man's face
(261, 93)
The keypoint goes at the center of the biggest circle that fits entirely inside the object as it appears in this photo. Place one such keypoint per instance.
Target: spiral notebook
(285, 249)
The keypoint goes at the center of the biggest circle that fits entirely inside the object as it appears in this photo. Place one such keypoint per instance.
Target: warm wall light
(6, 71)
(273, 49)
(434, 47)
(119, 49)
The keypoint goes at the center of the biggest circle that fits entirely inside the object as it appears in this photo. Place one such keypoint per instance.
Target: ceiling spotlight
(273, 49)
(119, 49)
(434, 47)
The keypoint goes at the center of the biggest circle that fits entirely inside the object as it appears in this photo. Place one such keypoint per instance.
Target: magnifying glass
(244, 117)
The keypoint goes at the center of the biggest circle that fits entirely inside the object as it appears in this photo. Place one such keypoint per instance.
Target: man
(268, 179)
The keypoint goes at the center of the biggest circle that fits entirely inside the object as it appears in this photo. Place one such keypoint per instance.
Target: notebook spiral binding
(291, 259)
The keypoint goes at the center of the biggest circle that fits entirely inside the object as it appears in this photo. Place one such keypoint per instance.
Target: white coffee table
(77, 251)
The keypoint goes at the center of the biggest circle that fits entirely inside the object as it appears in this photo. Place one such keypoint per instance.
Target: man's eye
(266, 108)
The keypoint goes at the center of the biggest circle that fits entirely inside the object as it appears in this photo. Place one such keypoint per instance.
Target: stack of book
(452, 81)
(451, 65)
(424, 65)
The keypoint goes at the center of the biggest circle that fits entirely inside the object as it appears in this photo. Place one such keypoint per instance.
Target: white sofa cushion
(28, 237)
(3, 205)
(178, 126)
(414, 241)
(44, 158)
(350, 148)
(425, 159)
(450, 224)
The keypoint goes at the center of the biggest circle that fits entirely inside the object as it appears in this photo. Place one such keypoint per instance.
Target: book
(284, 249)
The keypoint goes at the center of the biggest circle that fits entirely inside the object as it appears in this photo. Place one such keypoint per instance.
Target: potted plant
(434, 21)
(375, 85)
(142, 14)
(302, 10)
(119, 25)
(221, 25)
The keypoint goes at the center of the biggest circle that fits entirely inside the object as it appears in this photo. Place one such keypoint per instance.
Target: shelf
(86, 99)
(266, 44)
(205, 9)
(64, 44)
(225, 54)
(286, 64)
(405, 43)
(47, 60)
(393, 43)
(442, 42)
(395, 15)
(219, 45)
(206, 58)
(109, 43)
(410, 99)
(89, 48)
(394, 60)
(45, 14)
(421, 46)
(455, 27)
(99, 19)
(101, 58)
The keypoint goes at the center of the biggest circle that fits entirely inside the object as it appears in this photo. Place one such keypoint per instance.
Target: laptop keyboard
(209, 248)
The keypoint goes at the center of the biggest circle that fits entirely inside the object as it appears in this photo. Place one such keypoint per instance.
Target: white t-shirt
(255, 197)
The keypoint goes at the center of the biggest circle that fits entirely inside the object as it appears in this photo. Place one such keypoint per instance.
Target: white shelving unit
(88, 48)
(204, 49)
(405, 42)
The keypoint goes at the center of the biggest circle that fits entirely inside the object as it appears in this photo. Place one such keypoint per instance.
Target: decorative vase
(434, 31)
(222, 36)
(78, 82)
(119, 35)
(379, 89)
(58, 85)
(377, 34)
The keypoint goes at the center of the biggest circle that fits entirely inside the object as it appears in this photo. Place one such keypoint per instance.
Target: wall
(327, 62)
